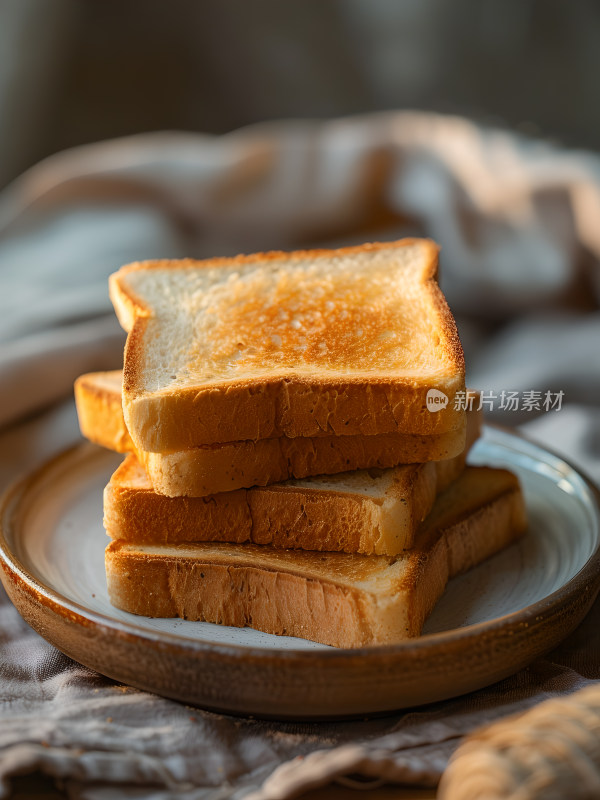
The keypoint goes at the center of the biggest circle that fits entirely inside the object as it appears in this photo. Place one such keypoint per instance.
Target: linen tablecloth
(518, 223)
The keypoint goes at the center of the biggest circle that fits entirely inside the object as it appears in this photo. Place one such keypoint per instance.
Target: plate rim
(13, 569)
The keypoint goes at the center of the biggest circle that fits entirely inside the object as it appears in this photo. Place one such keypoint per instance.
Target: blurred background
(73, 72)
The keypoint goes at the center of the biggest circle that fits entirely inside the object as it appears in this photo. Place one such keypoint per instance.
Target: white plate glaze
(489, 623)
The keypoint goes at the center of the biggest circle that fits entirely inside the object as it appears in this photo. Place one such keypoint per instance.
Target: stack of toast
(284, 469)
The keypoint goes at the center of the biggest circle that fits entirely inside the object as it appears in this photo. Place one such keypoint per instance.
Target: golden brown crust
(336, 599)
(279, 255)
(483, 512)
(198, 472)
(451, 340)
(132, 357)
(289, 405)
(282, 515)
(219, 468)
(335, 515)
(99, 410)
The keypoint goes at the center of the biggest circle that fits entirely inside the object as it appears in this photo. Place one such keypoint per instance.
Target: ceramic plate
(490, 622)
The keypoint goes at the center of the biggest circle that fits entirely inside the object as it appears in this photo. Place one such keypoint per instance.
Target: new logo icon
(436, 400)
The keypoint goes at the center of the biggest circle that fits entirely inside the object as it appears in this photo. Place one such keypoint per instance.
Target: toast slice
(100, 410)
(313, 343)
(203, 471)
(333, 598)
(365, 511)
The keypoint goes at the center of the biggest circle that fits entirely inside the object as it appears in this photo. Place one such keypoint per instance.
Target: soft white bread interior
(336, 343)
(334, 598)
(203, 471)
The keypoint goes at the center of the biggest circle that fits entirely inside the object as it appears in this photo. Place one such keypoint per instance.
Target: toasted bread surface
(334, 598)
(312, 343)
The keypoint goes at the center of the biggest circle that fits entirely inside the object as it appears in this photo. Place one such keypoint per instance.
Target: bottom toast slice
(339, 599)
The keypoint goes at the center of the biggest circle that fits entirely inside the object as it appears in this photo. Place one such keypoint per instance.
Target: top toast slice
(323, 342)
